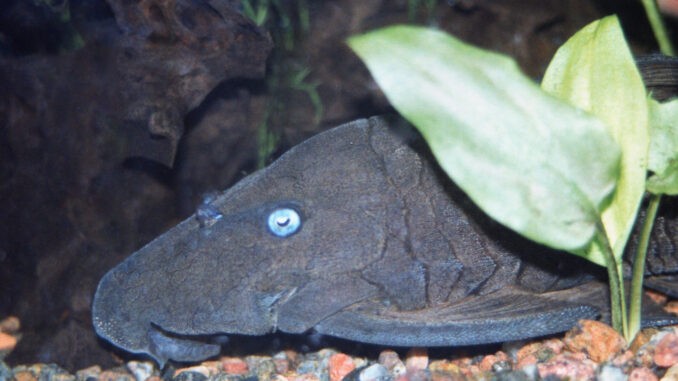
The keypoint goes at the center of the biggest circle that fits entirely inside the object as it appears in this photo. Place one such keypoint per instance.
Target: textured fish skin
(660, 75)
(389, 252)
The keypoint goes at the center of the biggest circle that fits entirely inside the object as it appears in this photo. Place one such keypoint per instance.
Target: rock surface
(74, 125)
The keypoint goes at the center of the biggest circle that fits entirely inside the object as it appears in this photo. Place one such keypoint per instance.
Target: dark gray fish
(354, 233)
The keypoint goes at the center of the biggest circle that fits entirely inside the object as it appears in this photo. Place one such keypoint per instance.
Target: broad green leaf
(663, 148)
(595, 71)
(529, 160)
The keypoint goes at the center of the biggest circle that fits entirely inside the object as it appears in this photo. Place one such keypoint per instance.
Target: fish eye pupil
(283, 222)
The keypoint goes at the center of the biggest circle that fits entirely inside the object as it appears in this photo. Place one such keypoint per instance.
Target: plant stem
(658, 27)
(639, 265)
(617, 295)
(304, 16)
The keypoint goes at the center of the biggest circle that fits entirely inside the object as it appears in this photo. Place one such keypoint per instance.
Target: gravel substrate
(590, 351)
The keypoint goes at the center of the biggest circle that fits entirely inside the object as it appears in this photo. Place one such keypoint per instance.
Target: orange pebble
(666, 351)
(234, 365)
(339, 366)
(7, 342)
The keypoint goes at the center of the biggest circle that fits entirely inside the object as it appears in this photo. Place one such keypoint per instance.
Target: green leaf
(595, 71)
(663, 148)
(530, 161)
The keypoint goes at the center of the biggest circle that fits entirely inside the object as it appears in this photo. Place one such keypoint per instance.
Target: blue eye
(284, 222)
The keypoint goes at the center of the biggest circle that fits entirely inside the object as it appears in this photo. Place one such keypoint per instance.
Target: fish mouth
(167, 345)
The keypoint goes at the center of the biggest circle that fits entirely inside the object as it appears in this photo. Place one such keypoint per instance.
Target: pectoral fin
(319, 299)
(506, 315)
(667, 284)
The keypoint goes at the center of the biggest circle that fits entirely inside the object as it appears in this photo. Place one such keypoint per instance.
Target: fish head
(271, 243)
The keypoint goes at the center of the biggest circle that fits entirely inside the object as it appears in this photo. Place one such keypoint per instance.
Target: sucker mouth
(166, 345)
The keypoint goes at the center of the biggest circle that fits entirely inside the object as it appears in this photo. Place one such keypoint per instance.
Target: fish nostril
(206, 214)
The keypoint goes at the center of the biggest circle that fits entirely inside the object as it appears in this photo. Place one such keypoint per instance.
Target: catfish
(355, 233)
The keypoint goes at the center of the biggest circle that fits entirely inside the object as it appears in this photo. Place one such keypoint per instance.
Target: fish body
(354, 233)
